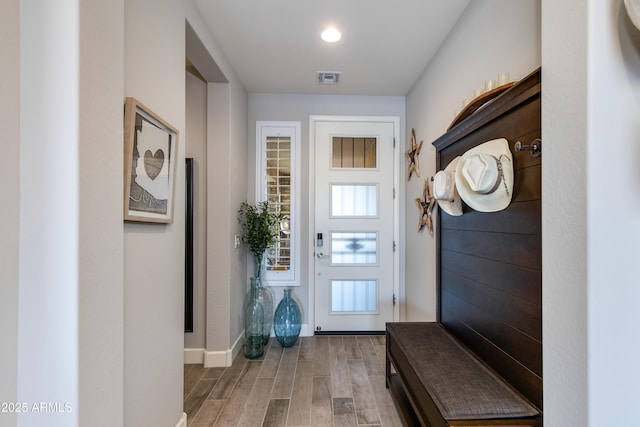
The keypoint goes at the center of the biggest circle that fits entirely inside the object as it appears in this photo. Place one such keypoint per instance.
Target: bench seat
(446, 384)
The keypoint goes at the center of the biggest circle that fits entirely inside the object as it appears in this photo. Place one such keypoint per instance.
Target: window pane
(354, 248)
(354, 200)
(353, 153)
(278, 155)
(354, 296)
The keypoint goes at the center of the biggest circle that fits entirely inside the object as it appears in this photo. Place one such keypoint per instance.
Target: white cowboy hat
(484, 176)
(633, 10)
(444, 189)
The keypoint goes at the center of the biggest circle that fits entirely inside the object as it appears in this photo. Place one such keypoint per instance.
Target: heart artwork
(153, 163)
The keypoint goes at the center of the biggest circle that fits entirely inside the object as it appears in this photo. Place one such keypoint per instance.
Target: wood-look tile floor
(320, 381)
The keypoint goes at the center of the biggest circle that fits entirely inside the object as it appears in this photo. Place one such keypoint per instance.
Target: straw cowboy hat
(484, 176)
(444, 189)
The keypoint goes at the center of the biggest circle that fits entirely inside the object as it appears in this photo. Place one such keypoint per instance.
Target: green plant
(259, 226)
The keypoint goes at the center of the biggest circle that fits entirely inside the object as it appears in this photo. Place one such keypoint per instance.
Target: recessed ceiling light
(331, 35)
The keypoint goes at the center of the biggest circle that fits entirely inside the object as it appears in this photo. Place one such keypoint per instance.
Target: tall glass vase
(265, 295)
(287, 320)
(253, 324)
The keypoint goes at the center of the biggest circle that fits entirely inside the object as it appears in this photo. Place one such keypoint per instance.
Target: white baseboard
(217, 359)
(183, 421)
(224, 358)
(194, 356)
(306, 331)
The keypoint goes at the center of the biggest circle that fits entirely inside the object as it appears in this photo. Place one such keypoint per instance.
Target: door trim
(313, 119)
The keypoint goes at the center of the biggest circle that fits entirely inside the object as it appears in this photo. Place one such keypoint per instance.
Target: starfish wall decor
(426, 205)
(412, 154)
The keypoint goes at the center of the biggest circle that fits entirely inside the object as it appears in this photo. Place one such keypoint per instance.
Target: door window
(354, 296)
(352, 153)
(354, 248)
(354, 200)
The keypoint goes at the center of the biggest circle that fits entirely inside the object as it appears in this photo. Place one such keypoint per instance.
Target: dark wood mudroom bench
(443, 384)
(480, 364)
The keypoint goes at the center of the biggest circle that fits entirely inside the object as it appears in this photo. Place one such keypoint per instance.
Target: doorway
(354, 276)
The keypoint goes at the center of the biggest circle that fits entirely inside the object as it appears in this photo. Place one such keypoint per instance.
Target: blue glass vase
(265, 295)
(253, 324)
(287, 320)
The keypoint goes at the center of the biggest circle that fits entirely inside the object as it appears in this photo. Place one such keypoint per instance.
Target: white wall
(154, 253)
(491, 36)
(48, 338)
(100, 273)
(219, 279)
(196, 147)
(591, 230)
(10, 208)
(276, 107)
(239, 143)
(613, 129)
(564, 213)
(226, 274)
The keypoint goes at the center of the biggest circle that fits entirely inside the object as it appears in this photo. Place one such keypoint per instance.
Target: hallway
(322, 380)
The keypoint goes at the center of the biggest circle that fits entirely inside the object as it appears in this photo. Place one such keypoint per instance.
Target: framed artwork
(150, 162)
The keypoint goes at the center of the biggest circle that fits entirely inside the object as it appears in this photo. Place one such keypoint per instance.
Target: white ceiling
(274, 46)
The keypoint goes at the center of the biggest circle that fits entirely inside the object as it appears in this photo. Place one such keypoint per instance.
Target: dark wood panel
(522, 378)
(527, 184)
(511, 126)
(518, 313)
(518, 345)
(490, 264)
(518, 249)
(493, 273)
(519, 218)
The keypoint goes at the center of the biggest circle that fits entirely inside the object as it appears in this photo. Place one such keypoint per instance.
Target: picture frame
(150, 162)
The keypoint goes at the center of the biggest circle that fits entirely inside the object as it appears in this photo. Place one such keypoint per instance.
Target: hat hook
(535, 148)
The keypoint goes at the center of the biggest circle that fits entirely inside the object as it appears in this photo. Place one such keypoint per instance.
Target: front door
(354, 225)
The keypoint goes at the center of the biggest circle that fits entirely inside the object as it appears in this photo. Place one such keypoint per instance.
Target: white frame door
(313, 121)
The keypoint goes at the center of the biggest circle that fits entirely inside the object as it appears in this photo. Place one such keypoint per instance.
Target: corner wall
(101, 264)
(591, 230)
(10, 208)
(219, 280)
(613, 213)
(68, 193)
(226, 189)
(154, 72)
(196, 148)
(491, 36)
(564, 222)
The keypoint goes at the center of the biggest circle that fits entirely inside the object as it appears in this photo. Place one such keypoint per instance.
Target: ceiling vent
(328, 77)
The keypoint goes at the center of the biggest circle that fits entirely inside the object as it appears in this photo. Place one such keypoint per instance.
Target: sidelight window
(278, 181)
